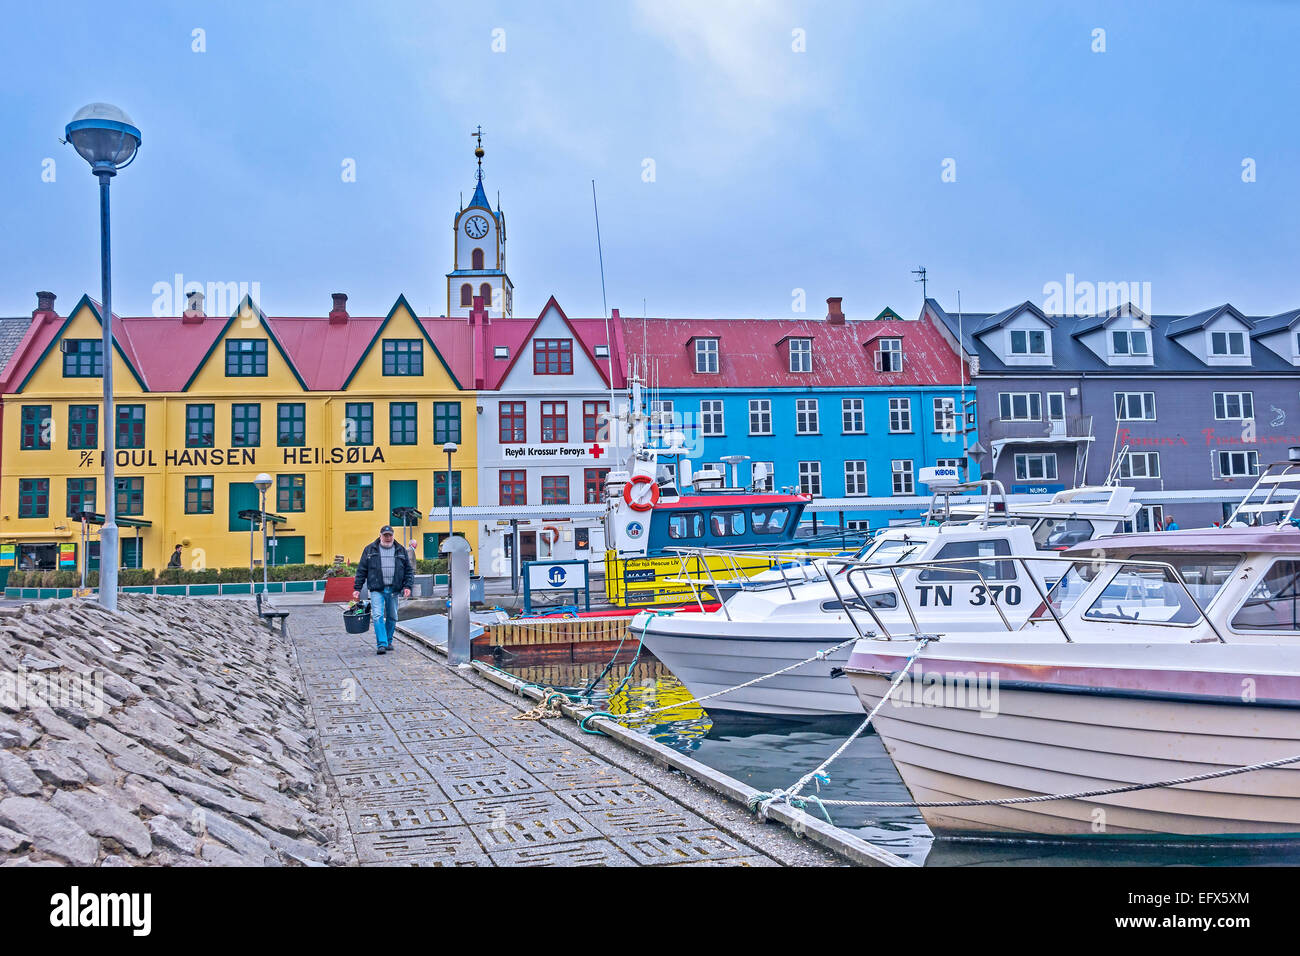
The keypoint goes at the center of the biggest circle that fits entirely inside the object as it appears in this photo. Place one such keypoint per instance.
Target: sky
(750, 158)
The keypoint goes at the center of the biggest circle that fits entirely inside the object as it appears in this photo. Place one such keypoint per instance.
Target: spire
(480, 197)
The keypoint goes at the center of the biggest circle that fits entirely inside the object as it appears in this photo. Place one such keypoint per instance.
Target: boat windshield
(890, 550)
(1146, 595)
(1204, 574)
(1057, 534)
(1274, 604)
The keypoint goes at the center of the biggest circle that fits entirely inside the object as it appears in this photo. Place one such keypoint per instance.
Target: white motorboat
(787, 615)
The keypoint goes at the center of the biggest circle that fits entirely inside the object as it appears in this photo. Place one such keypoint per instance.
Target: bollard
(457, 551)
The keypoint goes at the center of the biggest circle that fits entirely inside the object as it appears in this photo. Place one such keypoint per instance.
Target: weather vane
(478, 150)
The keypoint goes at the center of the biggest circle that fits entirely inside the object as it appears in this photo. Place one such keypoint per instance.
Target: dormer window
(501, 352)
(890, 356)
(1227, 343)
(706, 356)
(1132, 342)
(801, 355)
(1028, 342)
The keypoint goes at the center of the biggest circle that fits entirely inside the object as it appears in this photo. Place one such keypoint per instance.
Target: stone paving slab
(433, 771)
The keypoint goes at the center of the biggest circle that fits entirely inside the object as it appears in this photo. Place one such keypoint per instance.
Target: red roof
(515, 333)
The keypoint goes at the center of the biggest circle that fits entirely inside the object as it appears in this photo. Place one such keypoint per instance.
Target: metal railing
(1277, 479)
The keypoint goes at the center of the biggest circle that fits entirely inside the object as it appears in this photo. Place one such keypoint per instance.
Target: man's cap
(386, 529)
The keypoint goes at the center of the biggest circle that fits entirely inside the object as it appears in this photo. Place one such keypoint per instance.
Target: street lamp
(105, 137)
(263, 482)
(450, 448)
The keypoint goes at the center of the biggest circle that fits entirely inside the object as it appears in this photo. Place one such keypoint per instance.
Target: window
(290, 493)
(805, 416)
(769, 520)
(513, 487)
(466, 295)
(291, 424)
(501, 352)
(595, 426)
(245, 425)
(555, 489)
(446, 422)
(513, 422)
(901, 470)
(440, 489)
(1274, 604)
(1230, 406)
(1227, 343)
(359, 491)
(1140, 464)
(1238, 464)
(36, 427)
(1056, 406)
(810, 478)
(403, 357)
(687, 524)
(81, 496)
(553, 357)
(1144, 594)
(33, 497)
(945, 416)
(245, 357)
(1132, 342)
(476, 259)
(1028, 342)
(760, 416)
(1036, 467)
(900, 414)
(769, 477)
(854, 422)
(485, 293)
(200, 426)
(403, 423)
(1020, 406)
(1135, 406)
(359, 423)
(855, 478)
(198, 494)
(555, 421)
(661, 413)
(602, 351)
(1057, 534)
(593, 485)
(890, 356)
(83, 426)
(706, 355)
(83, 358)
(989, 570)
(130, 426)
(801, 355)
(711, 417)
(130, 496)
(727, 524)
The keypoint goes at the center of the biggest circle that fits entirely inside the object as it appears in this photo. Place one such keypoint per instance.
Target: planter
(338, 590)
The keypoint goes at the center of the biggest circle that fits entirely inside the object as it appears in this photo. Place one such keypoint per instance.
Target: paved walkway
(433, 771)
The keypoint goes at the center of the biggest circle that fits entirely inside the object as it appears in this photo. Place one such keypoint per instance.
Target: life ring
(641, 505)
(554, 532)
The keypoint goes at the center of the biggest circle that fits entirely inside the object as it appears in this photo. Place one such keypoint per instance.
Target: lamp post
(105, 137)
(263, 482)
(450, 448)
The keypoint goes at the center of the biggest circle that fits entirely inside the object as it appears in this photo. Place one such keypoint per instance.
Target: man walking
(175, 560)
(385, 567)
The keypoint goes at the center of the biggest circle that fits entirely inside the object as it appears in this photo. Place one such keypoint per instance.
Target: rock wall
(171, 733)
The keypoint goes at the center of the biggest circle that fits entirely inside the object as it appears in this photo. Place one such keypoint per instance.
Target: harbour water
(767, 753)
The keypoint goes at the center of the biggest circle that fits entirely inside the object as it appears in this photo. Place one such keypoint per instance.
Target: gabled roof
(888, 313)
(1102, 319)
(41, 336)
(1190, 323)
(245, 304)
(12, 333)
(1000, 319)
(401, 302)
(1275, 323)
(515, 335)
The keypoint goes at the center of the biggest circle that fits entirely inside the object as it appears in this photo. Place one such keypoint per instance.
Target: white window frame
(807, 417)
(1123, 407)
(852, 412)
(1043, 458)
(1128, 337)
(762, 408)
(810, 478)
(900, 416)
(892, 347)
(501, 352)
(710, 407)
(801, 349)
(769, 483)
(1033, 406)
(857, 524)
(1029, 341)
(1050, 397)
(1250, 459)
(1229, 337)
(602, 351)
(1245, 405)
(947, 408)
(1150, 467)
(706, 355)
(855, 478)
(902, 473)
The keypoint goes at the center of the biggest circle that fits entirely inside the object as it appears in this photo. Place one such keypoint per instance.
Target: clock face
(476, 227)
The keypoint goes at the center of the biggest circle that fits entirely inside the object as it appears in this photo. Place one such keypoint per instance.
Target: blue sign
(634, 529)
(556, 577)
(1036, 489)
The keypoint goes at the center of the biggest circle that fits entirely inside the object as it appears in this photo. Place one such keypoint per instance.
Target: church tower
(479, 259)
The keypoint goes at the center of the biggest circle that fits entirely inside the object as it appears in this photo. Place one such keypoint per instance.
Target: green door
(243, 496)
(289, 549)
(132, 551)
(402, 494)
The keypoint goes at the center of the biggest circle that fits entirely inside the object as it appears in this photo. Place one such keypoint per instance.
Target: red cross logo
(596, 450)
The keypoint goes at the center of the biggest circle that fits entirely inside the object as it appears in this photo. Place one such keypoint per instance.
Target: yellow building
(348, 415)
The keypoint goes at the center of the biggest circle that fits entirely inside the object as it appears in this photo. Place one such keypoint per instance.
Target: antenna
(920, 271)
(599, 251)
(961, 367)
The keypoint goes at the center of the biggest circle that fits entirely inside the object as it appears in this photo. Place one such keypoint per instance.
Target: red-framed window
(593, 429)
(555, 421)
(514, 422)
(593, 484)
(555, 489)
(553, 356)
(514, 487)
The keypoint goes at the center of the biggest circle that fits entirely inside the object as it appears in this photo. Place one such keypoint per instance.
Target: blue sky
(774, 170)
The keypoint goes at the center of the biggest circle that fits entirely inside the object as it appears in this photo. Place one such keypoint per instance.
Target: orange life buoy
(554, 532)
(641, 505)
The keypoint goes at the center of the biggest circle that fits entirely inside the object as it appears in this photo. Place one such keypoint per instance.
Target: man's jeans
(383, 609)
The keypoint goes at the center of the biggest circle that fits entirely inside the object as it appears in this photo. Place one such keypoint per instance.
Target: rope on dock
(548, 706)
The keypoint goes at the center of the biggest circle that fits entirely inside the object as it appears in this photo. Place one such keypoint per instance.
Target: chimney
(833, 314)
(478, 313)
(339, 314)
(193, 314)
(613, 315)
(44, 304)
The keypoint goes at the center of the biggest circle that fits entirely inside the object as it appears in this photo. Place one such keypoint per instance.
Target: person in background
(385, 568)
(175, 560)
(1171, 524)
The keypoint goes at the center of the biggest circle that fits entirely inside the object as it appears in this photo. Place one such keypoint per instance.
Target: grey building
(1185, 408)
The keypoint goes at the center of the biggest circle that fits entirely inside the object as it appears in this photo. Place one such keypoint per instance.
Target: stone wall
(171, 733)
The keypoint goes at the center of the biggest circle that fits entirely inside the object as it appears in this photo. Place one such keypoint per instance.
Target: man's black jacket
(370, 570)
